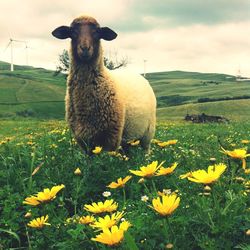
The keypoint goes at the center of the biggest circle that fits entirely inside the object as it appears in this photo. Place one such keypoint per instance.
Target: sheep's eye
(74, 33)
(92, 26)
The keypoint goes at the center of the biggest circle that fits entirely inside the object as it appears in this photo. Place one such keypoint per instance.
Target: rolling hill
(35, 92)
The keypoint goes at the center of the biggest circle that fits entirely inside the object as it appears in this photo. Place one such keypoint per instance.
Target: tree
(64, 63)
(111, 63)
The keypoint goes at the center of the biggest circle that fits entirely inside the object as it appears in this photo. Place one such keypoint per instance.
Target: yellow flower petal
(166, 205)
(120, 182)
(211, 175)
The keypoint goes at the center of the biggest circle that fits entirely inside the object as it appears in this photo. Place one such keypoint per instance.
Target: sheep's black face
(85, 41)
(85, 34)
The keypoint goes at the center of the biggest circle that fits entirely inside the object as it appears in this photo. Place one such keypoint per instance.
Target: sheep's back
(139, 100)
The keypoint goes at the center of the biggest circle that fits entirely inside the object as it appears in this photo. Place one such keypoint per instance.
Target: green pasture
(209, 220)
(36, 93)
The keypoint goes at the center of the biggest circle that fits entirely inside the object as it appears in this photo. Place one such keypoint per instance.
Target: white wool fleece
(140, 104)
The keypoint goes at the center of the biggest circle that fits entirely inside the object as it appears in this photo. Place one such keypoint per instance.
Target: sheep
(104, 108)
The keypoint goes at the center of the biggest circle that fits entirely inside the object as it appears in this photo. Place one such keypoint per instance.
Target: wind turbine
(11, 51)
(27, 53)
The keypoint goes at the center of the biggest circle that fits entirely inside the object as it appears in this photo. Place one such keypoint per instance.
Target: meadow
(36, 93)
(48, 185)
(42, 154)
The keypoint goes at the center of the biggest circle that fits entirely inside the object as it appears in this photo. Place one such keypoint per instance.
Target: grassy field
(42, 154)
(34, 92)
(37, 151)
(31, 92)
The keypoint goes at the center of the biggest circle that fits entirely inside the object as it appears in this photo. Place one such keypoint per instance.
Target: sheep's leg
(125, 147)
(111, 139)
(113, 134)
(83, 145)
(147, 137)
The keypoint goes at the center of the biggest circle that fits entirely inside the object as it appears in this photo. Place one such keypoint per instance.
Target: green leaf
(12, 234)
(130, 242)
(243, 247)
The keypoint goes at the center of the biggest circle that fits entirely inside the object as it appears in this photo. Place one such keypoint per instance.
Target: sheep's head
(85, 34)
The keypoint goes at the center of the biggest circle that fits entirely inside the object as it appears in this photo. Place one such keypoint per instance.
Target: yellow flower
(184, 176)
(32, 200)
(134, 142)
(148, 171)
(247, 184)
(97, 150)
(120, 182)
(74, 219)
(247, 171)
(213, 173)
(169, 246)
(240, 179)
(125, 225)
(86, 220)
(166, 143)
(155, 141)
(78, 171)
(118, 155)
(108, 221)
(207, 188)
(39, 222)
(142, 180)
(245, 141)
(167, 171)
(114, 153)
(102, 207)
(238, 154)
(53, 146)
(114, 235)
(168, 204)
(45, 196)
(28, 215)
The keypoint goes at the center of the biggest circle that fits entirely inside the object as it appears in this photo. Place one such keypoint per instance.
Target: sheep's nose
(85, 51)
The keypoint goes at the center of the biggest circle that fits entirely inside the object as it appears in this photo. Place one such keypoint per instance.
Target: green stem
(31, 170)
(234, 168)
(165, 228)
(154, 187)
(215, 196)
(55, 216)
(170, 229)
(124, 197)
(147, 190)
(28, 238)
(78, 187)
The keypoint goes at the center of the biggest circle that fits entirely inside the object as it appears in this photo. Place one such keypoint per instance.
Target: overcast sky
(192, 35)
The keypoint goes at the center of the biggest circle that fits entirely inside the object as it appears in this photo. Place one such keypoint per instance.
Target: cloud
(190, 35)
(145, 15)
(194, 48)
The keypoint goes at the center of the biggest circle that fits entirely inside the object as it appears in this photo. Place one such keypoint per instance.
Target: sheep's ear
(107, 34)
(62, 32)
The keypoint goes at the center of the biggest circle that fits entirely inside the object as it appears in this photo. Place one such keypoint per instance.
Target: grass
(234, 110)
(38, 153)
(200, 222)
(32, 92)
(36, 93)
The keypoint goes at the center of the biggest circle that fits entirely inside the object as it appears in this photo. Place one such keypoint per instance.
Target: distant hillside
(179, 93)
(29, 91)
(35, 92)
